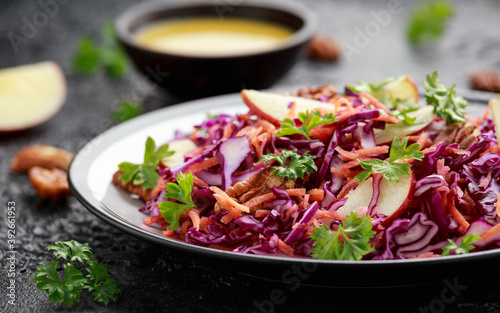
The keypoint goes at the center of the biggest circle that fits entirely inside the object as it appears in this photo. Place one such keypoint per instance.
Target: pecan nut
(485, 80)
(324, 48)
(41, 156)
(50, 184)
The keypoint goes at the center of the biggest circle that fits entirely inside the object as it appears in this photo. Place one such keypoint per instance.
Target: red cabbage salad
(368, 173)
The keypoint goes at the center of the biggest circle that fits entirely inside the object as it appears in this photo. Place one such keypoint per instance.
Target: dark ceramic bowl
(197, 76)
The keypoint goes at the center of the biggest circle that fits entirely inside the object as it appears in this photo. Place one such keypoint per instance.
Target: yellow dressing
(213, 36)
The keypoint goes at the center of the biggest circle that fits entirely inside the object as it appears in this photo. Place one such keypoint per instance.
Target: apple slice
(30, 95)
(180, 147)
(495, 113)
(394, 197)
(274, 107)
(401, 88)
(424, 115)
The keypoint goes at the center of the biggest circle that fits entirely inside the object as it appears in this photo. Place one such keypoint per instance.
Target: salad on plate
(369, 173)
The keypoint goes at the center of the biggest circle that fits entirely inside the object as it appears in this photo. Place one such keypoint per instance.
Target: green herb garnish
(392, 170)
(371, 88)
(350, 242)
(180, 192)
(145, 174)
(445, 101)
(89, 57)
(309, 120)
(465, 245)
(427, 20)
(98, 281)
(127, 110)
(297, 166)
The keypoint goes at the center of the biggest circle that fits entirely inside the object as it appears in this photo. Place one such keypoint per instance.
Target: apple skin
(401, 88)
(362, 195)
(495, 113)
(274, 107)
(401, 129)
(57, 80)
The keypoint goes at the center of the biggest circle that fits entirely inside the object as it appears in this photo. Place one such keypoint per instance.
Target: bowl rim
(303, 34)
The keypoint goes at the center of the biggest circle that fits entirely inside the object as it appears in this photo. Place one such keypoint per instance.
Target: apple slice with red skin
(30, 95)
(274, 107)
(424, 115)
(401, 88)
(393, 200)
(495, 113)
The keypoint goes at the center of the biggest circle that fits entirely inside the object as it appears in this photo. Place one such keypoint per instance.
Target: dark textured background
(152, 278)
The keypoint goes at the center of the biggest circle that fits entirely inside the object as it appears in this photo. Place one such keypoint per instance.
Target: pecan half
(324, 48)
(465, 134)
(42, 156)
(329, 91)
(486, 80)
(50, 184)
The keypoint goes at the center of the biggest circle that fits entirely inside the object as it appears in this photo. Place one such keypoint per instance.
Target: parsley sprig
(145, 174)
(89, 57)
(293, 169)
(309, 121)
(350, 242)
(428, 20)
(98, 281)
(465, 246)
(392, 170)
(445, 101)
(181, 193)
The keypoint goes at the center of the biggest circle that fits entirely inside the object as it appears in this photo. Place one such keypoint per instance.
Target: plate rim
(210, 103)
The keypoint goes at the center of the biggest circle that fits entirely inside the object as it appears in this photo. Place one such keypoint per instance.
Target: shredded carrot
(168, 233)
(351, 164)
(452, 209)
(291, 113)
(347, 154)
(497, 205)
(199, 182)
(259, 199)
(305, 203)
(289, 213)
(194, 215)
(228, 131)
(429, 150)
(485, 181)
(331, 215)
(347, 187)
(231, 216)
(316, 194)
(490, 232)
(296, 192)
(342, 101)
(346, 174)
(422, 140)
(387, 118)
(262, 213)
(227, 199)
(373, 151)
(184, 228)
(374, 101)
(285, 248)
(202, 165)
(321, 133)
(440, 168)
(152, 219)
(204, 222)
(267, 127)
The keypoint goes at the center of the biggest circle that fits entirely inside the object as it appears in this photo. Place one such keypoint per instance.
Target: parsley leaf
(145, 174)
(350, 242)
(445, 101)
(89, 57)
(127, 110)
(297, 166)
(371, 88)
(69, 288)
(309, 120)
(403, 115)
(427, 20)
(103, 287)
(180, 192)
(392, 170)
(465, 245)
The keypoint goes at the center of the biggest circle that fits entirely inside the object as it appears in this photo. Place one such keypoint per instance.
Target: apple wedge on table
(30, 95)
(393, 200)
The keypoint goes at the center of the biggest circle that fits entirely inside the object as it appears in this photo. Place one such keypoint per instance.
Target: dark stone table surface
(154, 278)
